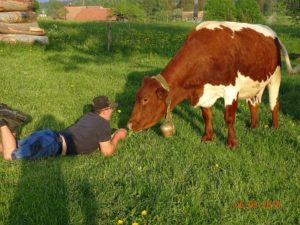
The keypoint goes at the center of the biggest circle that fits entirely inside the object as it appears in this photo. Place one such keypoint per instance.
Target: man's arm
(107, 148)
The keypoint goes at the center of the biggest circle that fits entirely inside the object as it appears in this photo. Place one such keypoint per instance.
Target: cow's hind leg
(231, 101)
(273, 88)
(253, 114)
(254, 103)
(207, 116)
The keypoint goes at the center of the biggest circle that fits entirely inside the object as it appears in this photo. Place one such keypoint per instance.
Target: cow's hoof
(207, 138)
(232, 143)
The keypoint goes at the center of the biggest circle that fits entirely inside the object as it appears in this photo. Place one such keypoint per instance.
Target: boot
(13, 118)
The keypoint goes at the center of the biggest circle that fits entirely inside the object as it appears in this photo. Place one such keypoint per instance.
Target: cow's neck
(177, 92)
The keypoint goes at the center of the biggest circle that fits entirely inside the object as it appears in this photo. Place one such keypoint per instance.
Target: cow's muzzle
(129, 125)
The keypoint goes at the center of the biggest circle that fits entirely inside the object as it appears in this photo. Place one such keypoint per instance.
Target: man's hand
(108, 148)
(120, 134)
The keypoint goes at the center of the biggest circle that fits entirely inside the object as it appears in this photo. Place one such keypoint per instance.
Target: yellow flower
(119, 110)
(120, 222)
(144, 213)
(135, 223)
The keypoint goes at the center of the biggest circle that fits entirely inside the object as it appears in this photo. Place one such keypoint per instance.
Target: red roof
(86, 13)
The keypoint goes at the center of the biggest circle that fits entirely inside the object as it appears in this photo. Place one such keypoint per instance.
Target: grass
(177, 180)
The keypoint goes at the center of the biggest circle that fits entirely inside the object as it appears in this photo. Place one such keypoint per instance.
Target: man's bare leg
(8, 142)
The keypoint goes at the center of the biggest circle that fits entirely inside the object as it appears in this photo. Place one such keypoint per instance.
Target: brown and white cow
(218, 60)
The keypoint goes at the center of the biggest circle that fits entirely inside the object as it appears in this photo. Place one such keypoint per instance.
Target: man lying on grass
(91, 132)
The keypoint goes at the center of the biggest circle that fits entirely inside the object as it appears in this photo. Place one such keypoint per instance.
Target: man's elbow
(106, 153)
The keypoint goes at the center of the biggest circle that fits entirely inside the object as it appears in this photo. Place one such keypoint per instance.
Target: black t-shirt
(88, 132)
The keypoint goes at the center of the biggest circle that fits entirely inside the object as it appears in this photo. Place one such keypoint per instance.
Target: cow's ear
(161, 93)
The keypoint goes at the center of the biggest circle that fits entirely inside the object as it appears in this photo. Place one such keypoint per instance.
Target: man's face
(106, 113)
(109, 112)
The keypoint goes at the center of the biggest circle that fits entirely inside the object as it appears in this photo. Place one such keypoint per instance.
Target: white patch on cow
(234, 26)
(210, 95)
(244, 87)
(249, 88)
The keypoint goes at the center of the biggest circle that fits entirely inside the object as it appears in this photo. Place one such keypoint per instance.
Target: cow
(228, 60)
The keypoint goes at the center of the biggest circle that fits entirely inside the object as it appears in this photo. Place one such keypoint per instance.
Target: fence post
(109, 36)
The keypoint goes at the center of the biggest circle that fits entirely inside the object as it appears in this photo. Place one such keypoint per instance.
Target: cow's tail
(290, 69)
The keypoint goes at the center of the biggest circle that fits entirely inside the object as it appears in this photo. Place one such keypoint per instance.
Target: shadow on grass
(185, 111)
(41, 195)
(289, 97)
(287, 30)
(88, 204)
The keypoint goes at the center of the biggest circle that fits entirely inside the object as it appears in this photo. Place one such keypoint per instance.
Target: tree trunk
(23, 38)
(21, 28)
(196, 9)
(17, 17)
(15, 5)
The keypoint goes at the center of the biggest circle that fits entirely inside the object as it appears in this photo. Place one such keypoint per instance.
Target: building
(189, 15)
(88, 13)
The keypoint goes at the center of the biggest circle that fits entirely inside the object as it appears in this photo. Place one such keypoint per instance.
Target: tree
(280, 7)
(128, 11)
(248, 11)
(196, 9)
(219, 10)
(293, 10)
(36, 6)
(56, 9)
(158, 9)
(266, 6)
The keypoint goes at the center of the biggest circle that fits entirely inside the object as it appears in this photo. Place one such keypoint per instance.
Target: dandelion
(144, 213)
(135, 223)
(120, 222)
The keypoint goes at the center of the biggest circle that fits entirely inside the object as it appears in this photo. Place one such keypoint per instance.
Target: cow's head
(149, 106)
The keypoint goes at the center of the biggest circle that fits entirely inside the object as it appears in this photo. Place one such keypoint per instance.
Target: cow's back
(215, 52)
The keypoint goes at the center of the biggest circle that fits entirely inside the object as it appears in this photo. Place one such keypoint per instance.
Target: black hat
(102, 102)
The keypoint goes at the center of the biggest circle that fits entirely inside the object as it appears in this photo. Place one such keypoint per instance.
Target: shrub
(219, 10)
(128, 11)
(248, 11)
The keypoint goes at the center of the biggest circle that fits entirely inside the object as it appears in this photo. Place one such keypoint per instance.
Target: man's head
(103, 106)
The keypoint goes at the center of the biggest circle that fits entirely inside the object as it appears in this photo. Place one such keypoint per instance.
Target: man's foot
(13, 118)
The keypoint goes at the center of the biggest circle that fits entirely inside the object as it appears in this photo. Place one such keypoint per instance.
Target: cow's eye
(145, 101)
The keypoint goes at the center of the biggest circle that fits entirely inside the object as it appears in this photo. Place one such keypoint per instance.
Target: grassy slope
(178, 180)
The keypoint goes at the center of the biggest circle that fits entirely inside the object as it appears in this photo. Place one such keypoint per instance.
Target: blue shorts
(39, 144)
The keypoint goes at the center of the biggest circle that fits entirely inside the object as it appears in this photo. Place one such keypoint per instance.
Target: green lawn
(177, 180)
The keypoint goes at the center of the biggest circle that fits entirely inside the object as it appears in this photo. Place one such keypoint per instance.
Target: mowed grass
(178, 180)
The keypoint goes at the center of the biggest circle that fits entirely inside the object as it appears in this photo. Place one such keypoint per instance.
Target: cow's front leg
(230, 111)
(207, 116)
